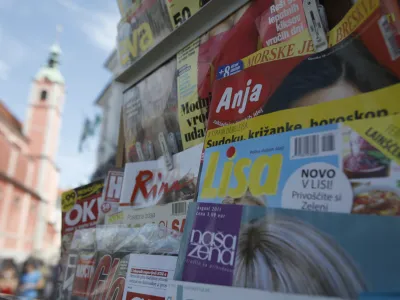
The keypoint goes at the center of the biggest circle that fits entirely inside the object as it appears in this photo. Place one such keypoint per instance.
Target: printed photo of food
(362, 160)
(376, 200)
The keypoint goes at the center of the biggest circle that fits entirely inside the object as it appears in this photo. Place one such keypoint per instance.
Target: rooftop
(7, 117)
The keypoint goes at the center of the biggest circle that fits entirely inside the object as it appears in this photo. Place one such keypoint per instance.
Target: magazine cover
(283, 20)
(363, 56)
(80, 209)
(115, 276)
(152, 183)
(86, 256)
(107, 279)
(150, 117)
(232, 39)
(111, 194)
(82, 242)
(148, 275)
(181, 290)
(144, 24)
(380, 103)
(290, 251)
(350, 167)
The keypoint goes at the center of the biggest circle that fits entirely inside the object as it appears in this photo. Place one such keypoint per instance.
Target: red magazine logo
(82, 212)
(151, 186)
(239, 100)
(103, 285)
(84, 272)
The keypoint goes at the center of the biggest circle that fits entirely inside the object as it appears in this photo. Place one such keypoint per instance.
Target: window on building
(43, 95)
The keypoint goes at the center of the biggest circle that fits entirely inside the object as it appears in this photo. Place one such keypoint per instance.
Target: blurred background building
(110, 101)
(30, 215)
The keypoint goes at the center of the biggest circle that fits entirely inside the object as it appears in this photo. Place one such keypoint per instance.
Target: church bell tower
(42, 128)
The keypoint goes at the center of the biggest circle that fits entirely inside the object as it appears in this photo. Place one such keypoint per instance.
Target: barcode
(389, 34)
(328, 142)
(178, 208)
(313, 145)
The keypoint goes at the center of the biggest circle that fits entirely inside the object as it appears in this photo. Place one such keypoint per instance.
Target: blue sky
(27, 30)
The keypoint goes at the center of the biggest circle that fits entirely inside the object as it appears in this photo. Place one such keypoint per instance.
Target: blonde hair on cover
(283, 254)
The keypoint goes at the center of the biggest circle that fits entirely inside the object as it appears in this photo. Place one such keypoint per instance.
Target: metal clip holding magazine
(315, 25)
(322, 14)
(169, 163)
(139, 151)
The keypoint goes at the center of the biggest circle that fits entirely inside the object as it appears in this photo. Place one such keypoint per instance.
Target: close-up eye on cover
(200, 150)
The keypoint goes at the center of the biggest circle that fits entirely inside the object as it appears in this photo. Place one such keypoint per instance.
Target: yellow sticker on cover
(383, 134)
(68, 200)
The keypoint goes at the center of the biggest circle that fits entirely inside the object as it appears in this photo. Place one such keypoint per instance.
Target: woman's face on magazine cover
(340, 89)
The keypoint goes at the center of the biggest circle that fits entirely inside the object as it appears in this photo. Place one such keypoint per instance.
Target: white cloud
(102, 30)
(4, 69)
(99, 26)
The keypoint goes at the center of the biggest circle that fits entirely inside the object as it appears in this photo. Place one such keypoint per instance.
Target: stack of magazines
(263, 161)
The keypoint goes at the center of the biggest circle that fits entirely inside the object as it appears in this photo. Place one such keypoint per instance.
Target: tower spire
(55, 50)
(50, 70)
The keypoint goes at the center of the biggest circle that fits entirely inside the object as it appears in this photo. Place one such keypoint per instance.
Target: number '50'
(181, 17)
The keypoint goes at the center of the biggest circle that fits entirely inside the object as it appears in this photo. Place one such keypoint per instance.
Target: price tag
(68, 200)
(231, 69)
(181, 10)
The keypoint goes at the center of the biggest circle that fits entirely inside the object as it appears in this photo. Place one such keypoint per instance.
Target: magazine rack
(253, 185)
(208, 16)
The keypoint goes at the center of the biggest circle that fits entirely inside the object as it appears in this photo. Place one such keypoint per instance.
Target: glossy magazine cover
(232, 39)
(181, 290)
(290, 251)
(111, 194)
(152, 183)
(364, 106)
(143, 25)
(80, 210)
(363, 56)
(150, 116)
(348, 167)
